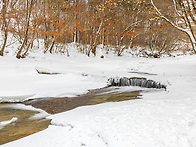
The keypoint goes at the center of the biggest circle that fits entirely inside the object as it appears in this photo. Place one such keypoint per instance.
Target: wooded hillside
(154, 25)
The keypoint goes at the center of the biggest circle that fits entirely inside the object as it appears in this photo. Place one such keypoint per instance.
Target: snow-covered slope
(76, 74)
(20, 80)
(160, 119)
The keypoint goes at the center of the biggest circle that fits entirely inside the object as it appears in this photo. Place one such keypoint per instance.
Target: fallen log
(45, 71)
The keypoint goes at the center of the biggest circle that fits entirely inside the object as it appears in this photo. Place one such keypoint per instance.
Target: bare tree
(185, 20)
(25, 43)
(121, 24)
(4, 25)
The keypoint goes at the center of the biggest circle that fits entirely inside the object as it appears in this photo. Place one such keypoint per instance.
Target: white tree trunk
(192, 39)
(188, 30)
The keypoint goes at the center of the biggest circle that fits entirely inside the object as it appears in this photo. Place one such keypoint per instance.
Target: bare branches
(165, 18)
(182, 9)
(121, 24)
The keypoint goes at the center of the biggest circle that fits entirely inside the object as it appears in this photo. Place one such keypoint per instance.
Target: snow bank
(160, 119)
(40, 115)
(79, 73)
(5, 123)
(20, 81)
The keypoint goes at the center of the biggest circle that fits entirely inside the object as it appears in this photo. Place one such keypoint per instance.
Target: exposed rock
(102, 56)
(135, 81)
(84, 74)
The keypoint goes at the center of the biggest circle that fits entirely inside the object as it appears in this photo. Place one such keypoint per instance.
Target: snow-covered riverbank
(160, 119)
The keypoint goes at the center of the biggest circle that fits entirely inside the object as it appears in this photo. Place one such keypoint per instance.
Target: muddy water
(24, 126)
(57, 105)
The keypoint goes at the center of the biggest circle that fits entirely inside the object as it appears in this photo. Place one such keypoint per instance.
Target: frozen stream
(25, 124)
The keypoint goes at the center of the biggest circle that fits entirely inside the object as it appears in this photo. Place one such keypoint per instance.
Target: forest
(97, 73)
(155, 27)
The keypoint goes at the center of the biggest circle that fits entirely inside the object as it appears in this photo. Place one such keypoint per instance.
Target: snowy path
(160, 119)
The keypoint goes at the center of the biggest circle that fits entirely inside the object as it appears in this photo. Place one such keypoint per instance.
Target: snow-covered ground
(160, 119)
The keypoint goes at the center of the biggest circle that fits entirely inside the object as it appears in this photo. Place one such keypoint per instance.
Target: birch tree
(185, 20)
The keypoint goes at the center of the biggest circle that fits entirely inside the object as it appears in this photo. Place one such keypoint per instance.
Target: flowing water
(22, 127)
(25, 126)
(98, 96)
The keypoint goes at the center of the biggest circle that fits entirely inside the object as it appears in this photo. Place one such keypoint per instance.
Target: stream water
(25, 126)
